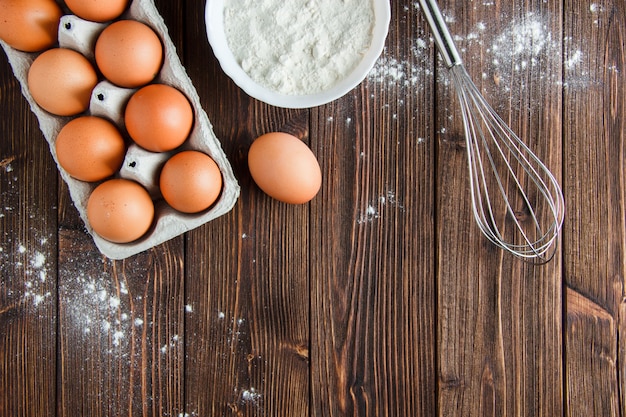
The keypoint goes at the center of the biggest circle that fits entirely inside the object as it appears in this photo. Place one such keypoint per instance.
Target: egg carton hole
(144, 167)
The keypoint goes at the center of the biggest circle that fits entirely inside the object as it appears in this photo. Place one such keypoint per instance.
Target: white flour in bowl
(298, 46)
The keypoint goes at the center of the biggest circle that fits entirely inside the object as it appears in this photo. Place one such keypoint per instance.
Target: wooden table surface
(378, 298)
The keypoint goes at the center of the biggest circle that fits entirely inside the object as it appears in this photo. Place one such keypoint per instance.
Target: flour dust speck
(38, 260)
(117, 337)
(27, 263)
(574, 60)
(410, 71)
(250, 395)
(376, 209)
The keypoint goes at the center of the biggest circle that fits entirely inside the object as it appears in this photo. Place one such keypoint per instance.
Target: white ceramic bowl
(214, 14)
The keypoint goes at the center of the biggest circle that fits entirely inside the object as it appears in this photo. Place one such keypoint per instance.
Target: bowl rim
(228, 63)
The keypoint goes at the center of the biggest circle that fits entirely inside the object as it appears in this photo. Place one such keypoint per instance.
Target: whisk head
(516, 200)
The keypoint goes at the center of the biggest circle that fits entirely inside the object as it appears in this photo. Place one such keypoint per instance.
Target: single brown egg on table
(129, 53)
(158, 117)
(97, 10)
(284, 168)
(29, 26)
(190, 181)
(61, 80)
(120, 210)
(90, 148)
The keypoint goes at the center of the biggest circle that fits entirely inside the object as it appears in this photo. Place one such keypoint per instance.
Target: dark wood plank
(248, 272)
(28, 247)
(372, 244)
(121, 323)
(592, 383)
(250, 339)
(121, 330)
(594, 96)
(499, 319)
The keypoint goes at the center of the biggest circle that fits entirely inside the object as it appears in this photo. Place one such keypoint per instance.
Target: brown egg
(29, 26)
(90, 148)
(190, 181)
(120, 210)
(61, 80)
(158, 117)
(129, 53)
(284, 168)
(97, 10)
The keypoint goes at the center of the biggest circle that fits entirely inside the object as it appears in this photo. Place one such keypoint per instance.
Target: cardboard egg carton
(109, 101)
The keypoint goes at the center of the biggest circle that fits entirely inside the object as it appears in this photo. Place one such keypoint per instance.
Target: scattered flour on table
(33, 268)
(174, 341)
(235, 329)
(527, 43)
(298, 46)
(250, 395)
(245, 398)
(376, 209)
(409, 72)
(574, 59)
(596, 8)
(92, 304)
(99, 307)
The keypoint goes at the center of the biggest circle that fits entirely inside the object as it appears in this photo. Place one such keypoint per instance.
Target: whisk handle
(442, 35)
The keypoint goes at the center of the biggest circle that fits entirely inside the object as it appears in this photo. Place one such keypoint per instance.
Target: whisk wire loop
(503, 171)
(495, 152)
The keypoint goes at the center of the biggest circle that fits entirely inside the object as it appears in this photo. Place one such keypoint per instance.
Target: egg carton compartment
(109, 101)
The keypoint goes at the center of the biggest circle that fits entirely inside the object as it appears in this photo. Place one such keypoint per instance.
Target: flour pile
(298, 46)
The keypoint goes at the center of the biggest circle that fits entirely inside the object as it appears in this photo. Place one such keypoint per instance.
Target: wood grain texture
(594, 136)
(121, 331)
(373, 275)
(499, 319)
(378, 298)
(28, 270)
(592, 351)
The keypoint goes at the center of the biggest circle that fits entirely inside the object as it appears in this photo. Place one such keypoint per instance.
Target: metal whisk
(506, 177)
